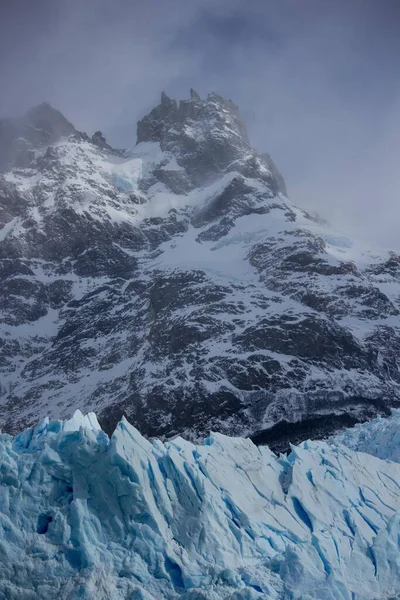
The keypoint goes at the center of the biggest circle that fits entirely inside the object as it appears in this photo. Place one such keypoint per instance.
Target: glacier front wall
(84, 516)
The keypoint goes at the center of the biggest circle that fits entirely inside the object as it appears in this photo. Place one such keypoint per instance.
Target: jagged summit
(33, 135)
(40, 127)
(214, 112)
(208, 138)
(48, 120)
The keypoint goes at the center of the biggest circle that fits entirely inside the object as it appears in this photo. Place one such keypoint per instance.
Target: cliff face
(178, 284)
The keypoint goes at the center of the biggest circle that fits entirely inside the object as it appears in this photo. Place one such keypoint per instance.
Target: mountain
(177, 284)
(84, 516)
(40, 127)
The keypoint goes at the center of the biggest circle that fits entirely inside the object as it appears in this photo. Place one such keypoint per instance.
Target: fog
(316, 81)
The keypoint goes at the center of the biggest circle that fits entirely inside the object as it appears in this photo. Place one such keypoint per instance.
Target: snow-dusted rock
(176, 284)
(85, 516)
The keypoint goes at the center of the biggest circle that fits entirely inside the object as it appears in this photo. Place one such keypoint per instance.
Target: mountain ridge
(177, 284)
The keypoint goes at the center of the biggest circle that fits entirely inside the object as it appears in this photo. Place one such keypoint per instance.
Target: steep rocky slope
(177, 284)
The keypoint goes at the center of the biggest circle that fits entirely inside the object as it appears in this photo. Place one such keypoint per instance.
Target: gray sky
(317, 82)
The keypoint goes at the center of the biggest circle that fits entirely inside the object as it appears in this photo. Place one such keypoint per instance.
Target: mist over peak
(317, 85)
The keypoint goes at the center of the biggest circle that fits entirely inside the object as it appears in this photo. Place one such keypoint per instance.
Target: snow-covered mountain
(86, 517)
(177, 284)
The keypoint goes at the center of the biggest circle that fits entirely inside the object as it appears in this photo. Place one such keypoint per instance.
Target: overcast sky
(317, 82)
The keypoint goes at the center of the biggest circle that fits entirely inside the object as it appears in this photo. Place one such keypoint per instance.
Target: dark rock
(99, 139)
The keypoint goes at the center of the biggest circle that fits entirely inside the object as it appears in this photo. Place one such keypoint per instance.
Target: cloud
(318, 90)
(316, 82)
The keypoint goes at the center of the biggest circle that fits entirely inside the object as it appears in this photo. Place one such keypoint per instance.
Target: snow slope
(84, 516)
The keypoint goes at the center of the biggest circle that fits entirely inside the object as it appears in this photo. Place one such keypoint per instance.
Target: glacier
(379, 437)
(87, 516)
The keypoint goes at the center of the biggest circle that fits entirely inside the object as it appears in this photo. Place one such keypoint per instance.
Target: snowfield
(86, 516)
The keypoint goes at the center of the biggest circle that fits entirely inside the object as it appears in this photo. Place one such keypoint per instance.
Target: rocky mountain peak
(207, 137)
(41, 126)
(100, 141)
(47, 124)
(214, 113)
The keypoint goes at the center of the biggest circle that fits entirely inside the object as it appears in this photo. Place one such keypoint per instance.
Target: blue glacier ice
(380, 437)
(85, 516)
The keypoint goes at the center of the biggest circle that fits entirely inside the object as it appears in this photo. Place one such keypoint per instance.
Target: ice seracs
(380, 437)
(83, 515)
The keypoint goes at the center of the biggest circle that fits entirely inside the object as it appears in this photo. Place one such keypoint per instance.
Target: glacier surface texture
(86, 516)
